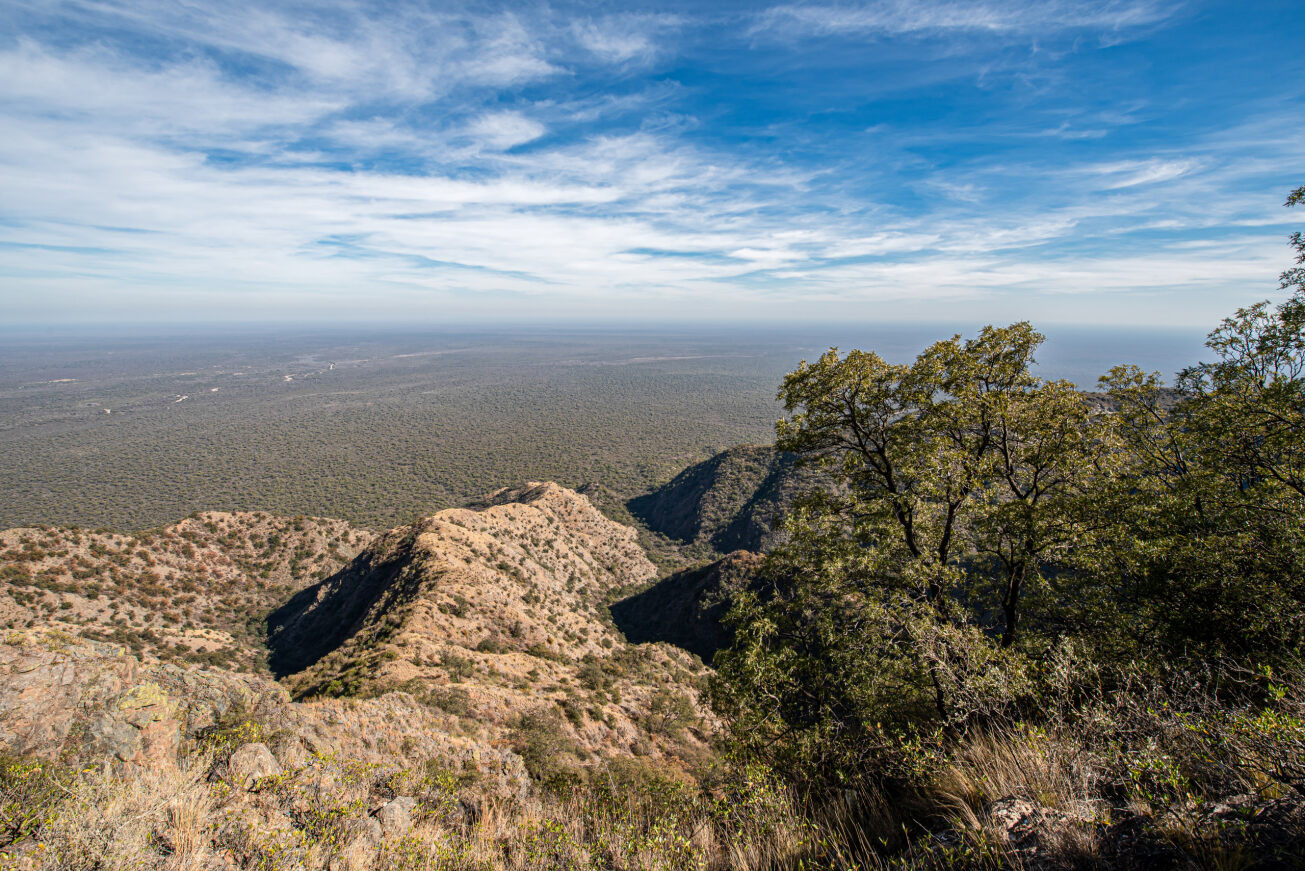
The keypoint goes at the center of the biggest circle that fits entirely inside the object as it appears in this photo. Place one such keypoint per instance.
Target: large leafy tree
(901, 603)
(985, 513)
(962, 471)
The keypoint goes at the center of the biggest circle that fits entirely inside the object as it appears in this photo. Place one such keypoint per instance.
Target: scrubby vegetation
(626, 817)
(732, 501)
(197, 591)
(402, 426)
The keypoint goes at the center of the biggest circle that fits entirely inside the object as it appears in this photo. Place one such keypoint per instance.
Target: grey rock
(395, 817)
(368, 833)
(251, 763)
(292, 754)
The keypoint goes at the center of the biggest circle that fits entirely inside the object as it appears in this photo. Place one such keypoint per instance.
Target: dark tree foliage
(1213, 550)
(988, 520)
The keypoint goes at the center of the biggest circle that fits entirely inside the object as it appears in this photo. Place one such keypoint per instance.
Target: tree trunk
(1010, 604)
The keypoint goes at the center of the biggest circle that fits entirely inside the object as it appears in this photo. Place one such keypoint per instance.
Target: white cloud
(100, 89)
(622, 38)
(505, 53)
(881, 244)
(897, 17)
(503, 130)
(1130, 173)
(379, 156)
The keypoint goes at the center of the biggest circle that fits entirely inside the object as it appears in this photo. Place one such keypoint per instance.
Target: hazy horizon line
(604, 325)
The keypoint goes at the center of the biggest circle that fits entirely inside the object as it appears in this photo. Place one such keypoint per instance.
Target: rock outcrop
(62, 696)
(86, 702)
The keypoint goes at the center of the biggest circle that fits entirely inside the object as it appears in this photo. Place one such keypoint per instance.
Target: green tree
(961, 470)
(1209, 557)
(898, 605)
(983, 514)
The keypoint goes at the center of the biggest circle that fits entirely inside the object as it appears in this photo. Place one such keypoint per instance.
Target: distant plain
(378, 426)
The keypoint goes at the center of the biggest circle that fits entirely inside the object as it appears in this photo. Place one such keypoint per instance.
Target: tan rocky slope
(474, 635)
(530, 571)
(498, 617)
(196, 590)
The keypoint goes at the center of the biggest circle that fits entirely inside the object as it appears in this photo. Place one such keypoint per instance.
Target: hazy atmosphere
(1083, 162)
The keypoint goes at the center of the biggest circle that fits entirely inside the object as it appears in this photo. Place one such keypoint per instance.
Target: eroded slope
(498, 616)
(196, 590)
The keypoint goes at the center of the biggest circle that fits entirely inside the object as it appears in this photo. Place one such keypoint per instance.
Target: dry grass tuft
(1027, 763)
(111, 822)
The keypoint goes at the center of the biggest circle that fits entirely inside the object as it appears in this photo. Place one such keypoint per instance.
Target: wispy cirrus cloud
(503, 130)
(899, 17)
(274, 160)
(620, 38)
(1129, 173)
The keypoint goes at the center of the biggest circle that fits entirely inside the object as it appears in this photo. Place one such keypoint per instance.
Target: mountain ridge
(487, 624)
(734, 500)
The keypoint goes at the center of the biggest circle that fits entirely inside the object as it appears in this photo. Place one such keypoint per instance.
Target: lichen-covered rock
(72, 697)
(395, 817)
(87, 701)
(250, 763)
(1030, 830)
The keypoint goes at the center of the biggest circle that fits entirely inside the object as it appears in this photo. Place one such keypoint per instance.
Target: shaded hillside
(732, 501)
(195, 590)
(685, 609)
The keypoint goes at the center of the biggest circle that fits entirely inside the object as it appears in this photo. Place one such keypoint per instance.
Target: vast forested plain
(378, 426)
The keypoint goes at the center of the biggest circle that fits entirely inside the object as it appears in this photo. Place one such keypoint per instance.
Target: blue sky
(1119, 162)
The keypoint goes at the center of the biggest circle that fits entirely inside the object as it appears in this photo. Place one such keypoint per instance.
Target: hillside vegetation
(198, 590)
(444, 685)
(493, 615)
(377, 430)
(734, 500)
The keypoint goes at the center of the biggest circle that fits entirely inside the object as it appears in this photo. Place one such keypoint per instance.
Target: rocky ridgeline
(477, 641)
(496, 614)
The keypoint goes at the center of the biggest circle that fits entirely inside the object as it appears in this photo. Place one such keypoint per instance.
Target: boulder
(359, 853)
(395, 817)
(292, 754)
(251, 763)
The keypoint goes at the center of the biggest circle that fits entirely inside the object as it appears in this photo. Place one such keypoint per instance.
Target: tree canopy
(986, 517)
